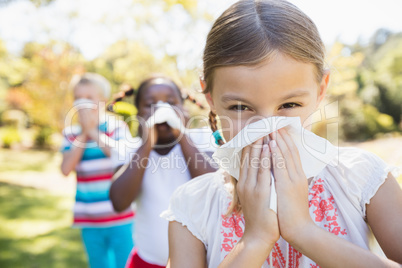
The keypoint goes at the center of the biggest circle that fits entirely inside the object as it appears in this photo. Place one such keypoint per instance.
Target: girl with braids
(164, 159)
(265, 58)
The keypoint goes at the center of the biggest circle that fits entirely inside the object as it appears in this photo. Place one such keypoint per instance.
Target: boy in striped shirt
(107, 235)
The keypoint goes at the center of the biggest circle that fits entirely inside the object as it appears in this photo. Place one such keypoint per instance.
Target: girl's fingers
(264, 172)
(254, 163)
(244, 163)
(293, 149)
(288, 157)
(278, 163)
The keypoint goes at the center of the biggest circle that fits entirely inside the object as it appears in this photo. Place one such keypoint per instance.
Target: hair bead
(218, 137)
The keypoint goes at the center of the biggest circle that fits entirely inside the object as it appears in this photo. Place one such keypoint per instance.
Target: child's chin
(166, 143)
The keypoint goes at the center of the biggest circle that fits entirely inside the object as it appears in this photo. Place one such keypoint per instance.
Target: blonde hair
(95, 79)
(252, 31)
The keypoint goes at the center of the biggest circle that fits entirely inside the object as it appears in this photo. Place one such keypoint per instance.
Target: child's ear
(323, 86)
(208, 95)
(210, 101)
(203, 84)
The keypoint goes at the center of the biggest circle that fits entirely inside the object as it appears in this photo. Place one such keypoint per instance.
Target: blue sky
(97, 24)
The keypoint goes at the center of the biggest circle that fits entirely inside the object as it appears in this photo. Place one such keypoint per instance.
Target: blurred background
(43, 43)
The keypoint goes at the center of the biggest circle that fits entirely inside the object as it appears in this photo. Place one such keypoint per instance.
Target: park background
(43, 43)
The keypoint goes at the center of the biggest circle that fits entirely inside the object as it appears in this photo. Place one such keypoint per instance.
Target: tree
(363, 82)
(45, 82)
(382, 75)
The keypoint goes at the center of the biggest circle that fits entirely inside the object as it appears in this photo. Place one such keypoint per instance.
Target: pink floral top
(337, 202)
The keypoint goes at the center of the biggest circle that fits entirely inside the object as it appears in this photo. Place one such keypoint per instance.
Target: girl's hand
(291, 186)
(152, 135)
(183, 116)
(253, 187)
(176, 133)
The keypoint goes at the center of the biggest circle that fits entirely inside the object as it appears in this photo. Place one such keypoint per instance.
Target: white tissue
(84, 103)
(315, 152)
(165, 114)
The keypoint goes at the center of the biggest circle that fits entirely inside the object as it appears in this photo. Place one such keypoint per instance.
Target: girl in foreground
(265, 58)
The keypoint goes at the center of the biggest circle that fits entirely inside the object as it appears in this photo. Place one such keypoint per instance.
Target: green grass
(28, 160)
(35, 229)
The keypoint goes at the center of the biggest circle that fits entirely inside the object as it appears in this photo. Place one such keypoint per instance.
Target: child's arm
(185, 250)
(384, 215)
(261, 223)
(196, 162)
(128, 179)
(249, 252)
(329, 250)
(326, 249)
(72, 157)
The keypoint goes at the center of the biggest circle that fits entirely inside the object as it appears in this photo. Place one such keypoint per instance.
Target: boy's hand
(82, 138)
(88, 120)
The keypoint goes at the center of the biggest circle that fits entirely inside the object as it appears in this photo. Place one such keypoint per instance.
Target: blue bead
(217, 136)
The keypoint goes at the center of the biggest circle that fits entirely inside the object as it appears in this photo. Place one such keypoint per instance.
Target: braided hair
(127, 90)
(214, 127)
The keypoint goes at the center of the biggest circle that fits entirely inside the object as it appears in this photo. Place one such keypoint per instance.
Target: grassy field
(36, 202)
(15, 160)
(35, 229)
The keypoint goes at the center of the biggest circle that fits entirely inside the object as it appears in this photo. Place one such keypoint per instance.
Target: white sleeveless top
(337, 200)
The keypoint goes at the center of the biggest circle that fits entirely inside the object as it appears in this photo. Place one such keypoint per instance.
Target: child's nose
(267, 113)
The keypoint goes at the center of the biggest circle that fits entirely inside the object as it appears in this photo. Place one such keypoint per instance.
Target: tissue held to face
(279, 86)
(146, 107)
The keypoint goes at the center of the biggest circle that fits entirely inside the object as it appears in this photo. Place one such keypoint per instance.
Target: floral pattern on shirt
(324, 208)
(323, 211)
(279, 258)
(232, 230)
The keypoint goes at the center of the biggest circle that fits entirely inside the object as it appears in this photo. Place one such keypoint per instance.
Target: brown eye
(289, 105)
(239, 108)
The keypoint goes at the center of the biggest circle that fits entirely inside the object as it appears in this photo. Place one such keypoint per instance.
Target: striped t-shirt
(93, 207)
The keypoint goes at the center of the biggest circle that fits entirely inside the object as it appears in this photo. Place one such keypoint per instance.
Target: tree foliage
(38, 80)
(367, 81)
(366, 78)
